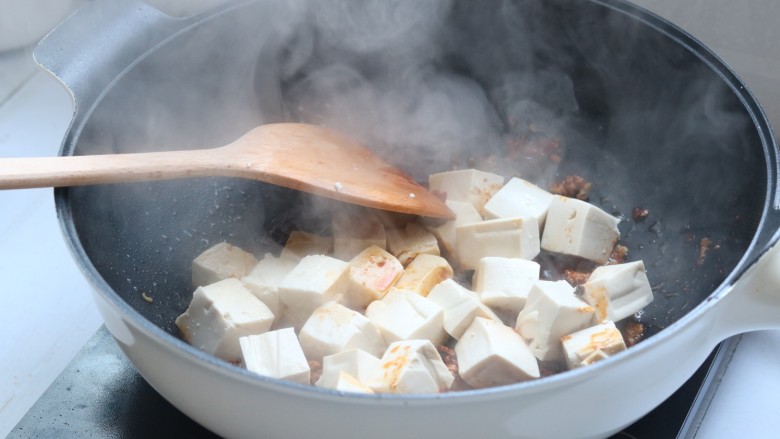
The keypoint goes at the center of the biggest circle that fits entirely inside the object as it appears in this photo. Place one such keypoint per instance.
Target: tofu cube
(465, 213)
(219, 314)
(371, 275)
(592, 344)
(353, 232)
(300, 244)
(492, 354)
(519, 199)
(460, 306)
(316, 280)
(356, 362)
(410, 241)
(617, 291)
(411, 366)
(263, 281)
(276, 354)
(347, 383)
(575, 227)
(405, 315)
(509, 238)
(423, 273)
(551, 311)
(333, 328)
(470, 185)
(503, 284)
(219, 262)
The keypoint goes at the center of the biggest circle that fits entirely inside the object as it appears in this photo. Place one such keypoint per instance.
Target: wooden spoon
(298, 156)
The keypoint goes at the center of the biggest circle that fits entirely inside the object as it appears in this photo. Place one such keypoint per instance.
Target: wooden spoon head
(321, 161)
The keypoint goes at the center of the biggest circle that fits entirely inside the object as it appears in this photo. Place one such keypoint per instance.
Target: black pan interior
(650, 125)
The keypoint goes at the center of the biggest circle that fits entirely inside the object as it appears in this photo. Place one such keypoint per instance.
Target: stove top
(100, 395)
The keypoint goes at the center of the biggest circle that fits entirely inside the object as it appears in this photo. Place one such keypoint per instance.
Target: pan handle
(753, 302)
(95, 45)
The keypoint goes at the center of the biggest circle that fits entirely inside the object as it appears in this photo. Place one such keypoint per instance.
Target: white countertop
(49, 309)
(49, 313)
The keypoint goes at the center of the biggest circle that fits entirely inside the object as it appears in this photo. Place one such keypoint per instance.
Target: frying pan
(650, 116)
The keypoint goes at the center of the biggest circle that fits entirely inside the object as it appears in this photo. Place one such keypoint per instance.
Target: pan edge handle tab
(753, 303)
(87, 58)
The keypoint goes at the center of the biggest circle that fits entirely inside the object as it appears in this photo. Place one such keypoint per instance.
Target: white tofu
(333, 328)
(219, 262)
(423, 273)
(347, 383)
(410, 241)
(316, 279)
(519, 199)
(276, 354)
(300, 244)
(411, 366)
(492, 354)
(465, 213)
(263, 281)
(405, 315)
(575, 227)
(460, 306)
(353, 232)
(356, 362)
(592, 344)
(551, 311)
(503, 284)
(371, 275)
(617, 291)
(509, 237)
(219, 314)
(470, 185)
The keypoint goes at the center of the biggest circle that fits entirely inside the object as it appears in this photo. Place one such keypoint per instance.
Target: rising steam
(500, 85)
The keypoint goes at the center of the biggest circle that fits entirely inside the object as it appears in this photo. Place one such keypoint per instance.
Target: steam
(437, 85)
(414, 115)
(377, 71)
(430, 85)
(404, 29)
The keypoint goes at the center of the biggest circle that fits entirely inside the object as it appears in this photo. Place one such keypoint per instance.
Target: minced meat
(573, 186)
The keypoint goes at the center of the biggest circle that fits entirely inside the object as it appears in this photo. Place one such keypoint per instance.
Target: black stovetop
(100, 395)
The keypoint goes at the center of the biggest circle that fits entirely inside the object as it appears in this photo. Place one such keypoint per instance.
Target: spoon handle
(19, 173)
